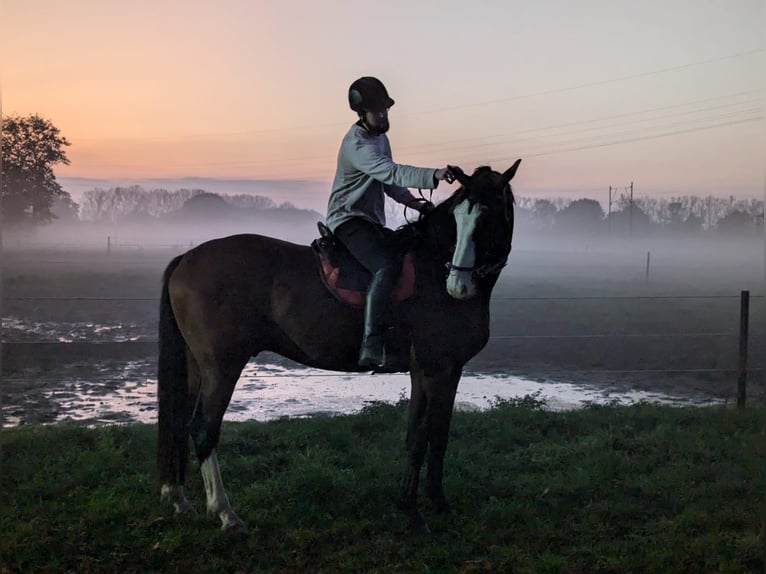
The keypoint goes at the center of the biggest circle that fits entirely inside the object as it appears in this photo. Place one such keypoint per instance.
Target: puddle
(25, 330)
(114, 392)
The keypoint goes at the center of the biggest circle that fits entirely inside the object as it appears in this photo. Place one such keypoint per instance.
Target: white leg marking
(460, 284)
(217, 501)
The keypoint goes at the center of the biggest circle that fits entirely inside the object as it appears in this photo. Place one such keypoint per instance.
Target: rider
(355, 210)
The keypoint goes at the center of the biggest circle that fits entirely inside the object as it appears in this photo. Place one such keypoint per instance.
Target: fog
(698, 259)
(172, 231)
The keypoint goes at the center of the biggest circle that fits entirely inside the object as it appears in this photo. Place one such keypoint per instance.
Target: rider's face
(377, 121)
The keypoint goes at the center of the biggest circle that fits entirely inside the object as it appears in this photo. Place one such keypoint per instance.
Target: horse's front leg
(416, 444)
(440, 406)
(217, 501)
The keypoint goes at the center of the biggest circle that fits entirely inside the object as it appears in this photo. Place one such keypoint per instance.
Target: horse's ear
(508, 175)
(459, 174)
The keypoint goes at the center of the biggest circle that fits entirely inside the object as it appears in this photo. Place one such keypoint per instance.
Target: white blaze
(460, 284)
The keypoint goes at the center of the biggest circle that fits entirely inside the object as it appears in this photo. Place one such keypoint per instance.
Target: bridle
(488, 268)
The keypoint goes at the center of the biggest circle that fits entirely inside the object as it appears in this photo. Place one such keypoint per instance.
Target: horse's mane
(411, 232)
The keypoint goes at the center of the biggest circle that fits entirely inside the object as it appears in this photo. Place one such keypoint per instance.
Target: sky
(666, 94)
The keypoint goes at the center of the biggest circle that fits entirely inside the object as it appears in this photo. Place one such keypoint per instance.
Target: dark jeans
(368, 243)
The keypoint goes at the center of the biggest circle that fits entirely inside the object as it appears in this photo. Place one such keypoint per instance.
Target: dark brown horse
(228, 299)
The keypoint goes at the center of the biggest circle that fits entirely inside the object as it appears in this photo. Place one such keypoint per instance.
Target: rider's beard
(377, 126)
(381, 127)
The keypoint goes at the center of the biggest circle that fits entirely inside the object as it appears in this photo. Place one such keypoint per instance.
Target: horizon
(669, 97)
(305, 194)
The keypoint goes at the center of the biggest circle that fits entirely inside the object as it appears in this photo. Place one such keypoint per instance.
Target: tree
(630, 220)
(582, 215)
(544, 213)
(31, 147)
(737, 223)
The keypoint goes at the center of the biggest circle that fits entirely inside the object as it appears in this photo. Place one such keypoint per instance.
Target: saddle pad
(404, 288)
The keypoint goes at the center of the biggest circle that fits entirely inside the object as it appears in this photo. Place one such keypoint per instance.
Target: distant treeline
(119, 203)
(644, 214)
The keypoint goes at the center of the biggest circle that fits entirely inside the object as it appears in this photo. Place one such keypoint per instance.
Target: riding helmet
(368, 94)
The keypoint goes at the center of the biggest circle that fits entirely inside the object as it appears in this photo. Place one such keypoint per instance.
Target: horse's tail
(172, 393)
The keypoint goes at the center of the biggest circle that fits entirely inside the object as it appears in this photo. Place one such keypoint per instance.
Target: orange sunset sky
(591, 93)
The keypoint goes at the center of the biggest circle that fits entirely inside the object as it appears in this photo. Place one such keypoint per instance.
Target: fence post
(108, 244)
(744, 311)
(648, 254)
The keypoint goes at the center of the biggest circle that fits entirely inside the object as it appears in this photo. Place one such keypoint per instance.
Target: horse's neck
(439, 236)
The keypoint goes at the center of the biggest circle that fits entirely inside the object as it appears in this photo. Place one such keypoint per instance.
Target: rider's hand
(444, 174)
(426, 207)
(423, 206)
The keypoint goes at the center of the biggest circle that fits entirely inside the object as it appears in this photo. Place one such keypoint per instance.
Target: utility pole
(631, 209)
(609, 208)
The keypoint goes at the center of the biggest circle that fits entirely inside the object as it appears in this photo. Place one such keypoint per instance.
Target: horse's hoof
(183, 507)
(235, 529)
(232, 524)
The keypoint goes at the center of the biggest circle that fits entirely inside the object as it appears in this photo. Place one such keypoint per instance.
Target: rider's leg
(375, 311)
(368, 244)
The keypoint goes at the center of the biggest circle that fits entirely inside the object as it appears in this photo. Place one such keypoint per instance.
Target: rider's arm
(372, 156)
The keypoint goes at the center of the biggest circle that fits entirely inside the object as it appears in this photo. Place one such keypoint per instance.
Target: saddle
(347, 279)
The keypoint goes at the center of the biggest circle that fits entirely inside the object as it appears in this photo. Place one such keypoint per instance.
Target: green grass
(606, 489)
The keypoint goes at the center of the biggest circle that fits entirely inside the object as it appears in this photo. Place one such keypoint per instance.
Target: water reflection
(25, 330)
(125, 392)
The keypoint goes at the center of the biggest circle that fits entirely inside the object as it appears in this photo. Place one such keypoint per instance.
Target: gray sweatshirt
(365, 172)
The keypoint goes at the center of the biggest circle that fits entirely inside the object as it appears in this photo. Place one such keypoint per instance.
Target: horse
(228, 299)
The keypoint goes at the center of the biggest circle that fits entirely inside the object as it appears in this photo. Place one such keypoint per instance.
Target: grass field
(605, 489)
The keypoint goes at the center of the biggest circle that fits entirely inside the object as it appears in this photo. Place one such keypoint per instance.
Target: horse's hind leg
(217, 385)
(174, 492)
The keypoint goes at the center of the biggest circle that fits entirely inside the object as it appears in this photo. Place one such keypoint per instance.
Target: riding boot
(376, 307)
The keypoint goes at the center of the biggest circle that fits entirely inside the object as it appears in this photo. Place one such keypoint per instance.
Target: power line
(741, 117)
(752, 101)
(596, 83)
(304, 127)
(622, 141)
(728, 115)
(750, 114)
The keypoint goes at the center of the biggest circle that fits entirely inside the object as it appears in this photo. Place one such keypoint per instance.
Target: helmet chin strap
(363, 120)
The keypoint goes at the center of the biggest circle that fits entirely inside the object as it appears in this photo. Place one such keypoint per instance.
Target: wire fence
(498, 337)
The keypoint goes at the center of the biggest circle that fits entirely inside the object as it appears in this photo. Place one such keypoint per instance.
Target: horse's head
(483, 212)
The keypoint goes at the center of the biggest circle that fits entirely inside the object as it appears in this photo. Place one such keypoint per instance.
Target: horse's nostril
(463, 289)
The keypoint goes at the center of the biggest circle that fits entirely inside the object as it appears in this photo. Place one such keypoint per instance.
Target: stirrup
(371, 354)
(374, 355)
